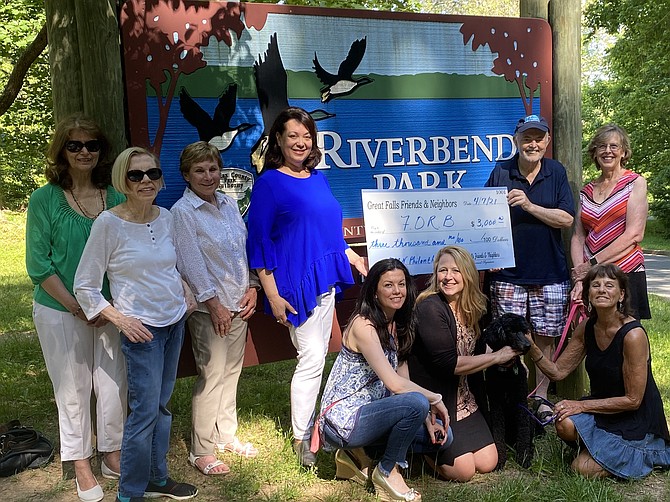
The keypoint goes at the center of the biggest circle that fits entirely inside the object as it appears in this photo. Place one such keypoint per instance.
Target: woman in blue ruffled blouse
(370, 406)
(296, 244)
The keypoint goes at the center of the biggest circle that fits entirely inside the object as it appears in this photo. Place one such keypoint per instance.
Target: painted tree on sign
(167, 37)
(519, 58)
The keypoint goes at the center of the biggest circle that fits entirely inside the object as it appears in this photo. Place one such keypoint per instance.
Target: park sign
(402, 101)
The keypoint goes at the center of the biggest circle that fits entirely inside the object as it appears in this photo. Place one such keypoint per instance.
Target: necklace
(605, 185)
(83, 211)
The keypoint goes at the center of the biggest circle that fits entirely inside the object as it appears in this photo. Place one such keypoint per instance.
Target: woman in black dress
(448, 314)
(620, 427)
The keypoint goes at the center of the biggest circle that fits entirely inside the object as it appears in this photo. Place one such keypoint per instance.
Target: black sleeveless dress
(631, 443)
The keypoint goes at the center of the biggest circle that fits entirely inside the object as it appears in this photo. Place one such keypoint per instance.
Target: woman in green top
(81, 355)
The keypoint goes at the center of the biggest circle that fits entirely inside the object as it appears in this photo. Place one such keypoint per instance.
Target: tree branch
(15, 81)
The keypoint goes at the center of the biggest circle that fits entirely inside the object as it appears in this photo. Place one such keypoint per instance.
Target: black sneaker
(172, 489)
(132, 499)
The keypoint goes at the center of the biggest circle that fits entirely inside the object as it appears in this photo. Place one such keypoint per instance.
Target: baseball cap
(531, 122)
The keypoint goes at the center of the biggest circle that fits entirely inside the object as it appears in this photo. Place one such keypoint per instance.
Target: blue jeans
(152, 371)
(387, 428)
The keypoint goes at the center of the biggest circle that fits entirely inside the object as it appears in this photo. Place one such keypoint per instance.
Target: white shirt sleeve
(92, 267)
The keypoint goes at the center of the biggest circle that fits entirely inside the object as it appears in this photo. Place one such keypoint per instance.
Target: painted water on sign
(374, 144)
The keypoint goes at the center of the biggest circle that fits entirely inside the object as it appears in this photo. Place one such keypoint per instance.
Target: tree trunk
(64, 59)
(85, 59)
(534, 8)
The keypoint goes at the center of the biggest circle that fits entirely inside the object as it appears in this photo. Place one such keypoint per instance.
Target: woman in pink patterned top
(611, 218)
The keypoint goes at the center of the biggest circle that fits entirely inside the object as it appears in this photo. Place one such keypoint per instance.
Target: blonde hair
(122, 164)
(472, 302)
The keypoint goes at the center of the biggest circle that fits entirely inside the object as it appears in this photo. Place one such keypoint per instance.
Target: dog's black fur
(505, 387)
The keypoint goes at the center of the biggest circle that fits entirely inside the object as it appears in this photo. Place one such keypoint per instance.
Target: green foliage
(25, 127)
(638, 95)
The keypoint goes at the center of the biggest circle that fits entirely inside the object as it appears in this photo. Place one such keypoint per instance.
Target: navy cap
(531, 122)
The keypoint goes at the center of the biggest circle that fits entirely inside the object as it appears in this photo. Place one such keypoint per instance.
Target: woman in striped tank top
(611, 218)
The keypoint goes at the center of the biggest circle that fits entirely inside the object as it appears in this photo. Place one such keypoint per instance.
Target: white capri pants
(81, 359)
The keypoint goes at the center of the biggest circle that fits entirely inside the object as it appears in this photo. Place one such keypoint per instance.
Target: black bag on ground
(23, 448)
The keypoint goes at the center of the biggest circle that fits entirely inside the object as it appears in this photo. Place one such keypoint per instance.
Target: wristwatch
(593, 261)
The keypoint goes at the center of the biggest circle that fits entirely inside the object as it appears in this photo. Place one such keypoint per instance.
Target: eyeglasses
(76, 146)
(136, 175)
(614, 148)
(534, 403)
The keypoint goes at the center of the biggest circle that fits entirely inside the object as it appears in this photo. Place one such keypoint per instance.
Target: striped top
(605, 221)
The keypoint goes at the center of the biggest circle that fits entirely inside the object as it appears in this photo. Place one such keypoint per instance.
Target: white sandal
(207, 470)
(246, 450)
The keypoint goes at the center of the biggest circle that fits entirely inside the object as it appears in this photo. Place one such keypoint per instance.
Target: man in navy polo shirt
(541, 203)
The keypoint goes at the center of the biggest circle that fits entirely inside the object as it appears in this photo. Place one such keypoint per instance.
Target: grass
(26, 394)
(655, 236)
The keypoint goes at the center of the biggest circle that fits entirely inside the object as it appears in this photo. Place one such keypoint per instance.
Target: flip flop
(246, 450)
(207, 470)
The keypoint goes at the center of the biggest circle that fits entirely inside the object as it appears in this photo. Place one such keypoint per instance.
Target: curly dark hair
(610, 271)
(57, 170)
(367, 306)
(274, 159)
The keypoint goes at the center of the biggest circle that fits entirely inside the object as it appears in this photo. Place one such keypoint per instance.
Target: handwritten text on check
(412, 225)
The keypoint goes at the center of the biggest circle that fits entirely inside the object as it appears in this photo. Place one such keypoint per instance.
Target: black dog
(506, 387)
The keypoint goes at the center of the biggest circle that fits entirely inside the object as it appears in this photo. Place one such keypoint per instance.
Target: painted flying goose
(215, 130)
(343, 83)
(272, 89)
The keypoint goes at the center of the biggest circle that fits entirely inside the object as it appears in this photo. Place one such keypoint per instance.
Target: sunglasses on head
(534, 403)
(74, 146)
(136, 175)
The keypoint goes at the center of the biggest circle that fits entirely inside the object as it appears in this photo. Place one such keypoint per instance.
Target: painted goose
(272, 89)
(343, 83)
(215, 130)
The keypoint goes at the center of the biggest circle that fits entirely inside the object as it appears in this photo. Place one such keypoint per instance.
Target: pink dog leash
(576, 314)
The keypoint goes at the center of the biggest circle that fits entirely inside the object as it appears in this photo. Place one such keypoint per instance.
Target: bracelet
(436, 401)
(76, 312)
(538, 360)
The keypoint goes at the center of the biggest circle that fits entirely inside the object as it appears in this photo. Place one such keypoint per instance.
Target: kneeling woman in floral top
(372, 408)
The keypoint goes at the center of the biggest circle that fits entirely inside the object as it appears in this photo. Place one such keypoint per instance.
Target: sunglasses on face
(76, 146)
(136, 175)
(534, 403)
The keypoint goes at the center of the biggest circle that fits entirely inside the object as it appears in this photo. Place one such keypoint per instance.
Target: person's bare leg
(566, 430)
(585, 465)
(84, 474)
(113, 460)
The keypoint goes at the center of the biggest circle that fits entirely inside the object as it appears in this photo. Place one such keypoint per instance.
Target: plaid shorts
(545, 306)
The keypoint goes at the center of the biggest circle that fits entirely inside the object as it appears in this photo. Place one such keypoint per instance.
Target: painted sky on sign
(389, 43)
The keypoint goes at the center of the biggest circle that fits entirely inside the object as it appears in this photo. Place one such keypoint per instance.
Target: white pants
(219, 363)
(311, 340)
(81, 359)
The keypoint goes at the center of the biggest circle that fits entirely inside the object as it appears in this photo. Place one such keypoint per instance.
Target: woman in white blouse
(133, 244)
(212, 258)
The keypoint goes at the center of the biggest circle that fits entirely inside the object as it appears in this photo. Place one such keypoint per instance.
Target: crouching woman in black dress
(447, 328)
(620, 428)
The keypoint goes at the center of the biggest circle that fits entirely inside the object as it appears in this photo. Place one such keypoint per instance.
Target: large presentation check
(412, 225)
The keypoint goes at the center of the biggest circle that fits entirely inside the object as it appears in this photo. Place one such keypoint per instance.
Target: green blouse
(55, 238)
